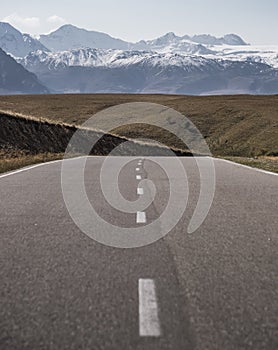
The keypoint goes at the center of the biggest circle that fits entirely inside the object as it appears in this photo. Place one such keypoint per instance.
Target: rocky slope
(16, 79)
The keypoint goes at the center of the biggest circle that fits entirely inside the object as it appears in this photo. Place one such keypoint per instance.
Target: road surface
(213, 289)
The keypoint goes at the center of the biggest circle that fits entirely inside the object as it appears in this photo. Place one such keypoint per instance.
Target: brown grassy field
(233, 126)
(20, 160)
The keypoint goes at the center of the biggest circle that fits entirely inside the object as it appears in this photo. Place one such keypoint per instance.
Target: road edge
(246, 166)
(30, 167)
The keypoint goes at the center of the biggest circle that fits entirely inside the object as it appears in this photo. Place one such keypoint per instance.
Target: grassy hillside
(245, 126)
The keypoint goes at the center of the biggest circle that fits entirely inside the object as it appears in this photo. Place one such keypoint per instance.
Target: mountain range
(69, 37)
(72, 59)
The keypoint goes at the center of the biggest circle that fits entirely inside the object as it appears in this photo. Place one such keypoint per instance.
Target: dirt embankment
(22, 135)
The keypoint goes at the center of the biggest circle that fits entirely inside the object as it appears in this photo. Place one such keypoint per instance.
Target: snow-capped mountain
(69, 37)
(117, 58)
(14, 42)
(77, 60)
(199, 43)
(171, 43)
(228, 39)
(106, 58)
(15, 79)
(97, 70)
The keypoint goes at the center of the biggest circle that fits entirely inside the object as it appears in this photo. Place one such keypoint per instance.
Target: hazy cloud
(56, 20)
(22, 23)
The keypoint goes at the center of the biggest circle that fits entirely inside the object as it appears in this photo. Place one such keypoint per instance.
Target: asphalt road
(213, 289)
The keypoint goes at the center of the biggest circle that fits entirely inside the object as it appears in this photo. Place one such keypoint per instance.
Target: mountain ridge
(16, 43)
(16, 79)
(69, 37)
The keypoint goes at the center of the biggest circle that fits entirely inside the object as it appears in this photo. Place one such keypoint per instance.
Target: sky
(133, 20)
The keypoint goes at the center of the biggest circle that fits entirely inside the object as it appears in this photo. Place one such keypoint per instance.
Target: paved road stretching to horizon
(213, 289)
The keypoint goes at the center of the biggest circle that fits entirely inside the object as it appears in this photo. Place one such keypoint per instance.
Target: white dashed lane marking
(140, 191)
(138, 177)
(141, 217)
(148, 309)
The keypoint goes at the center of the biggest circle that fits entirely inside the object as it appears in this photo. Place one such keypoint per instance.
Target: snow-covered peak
(164, 40)
(228, 39)
(170, 42)
(68, 28)
(69, 37)
(233, 39)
